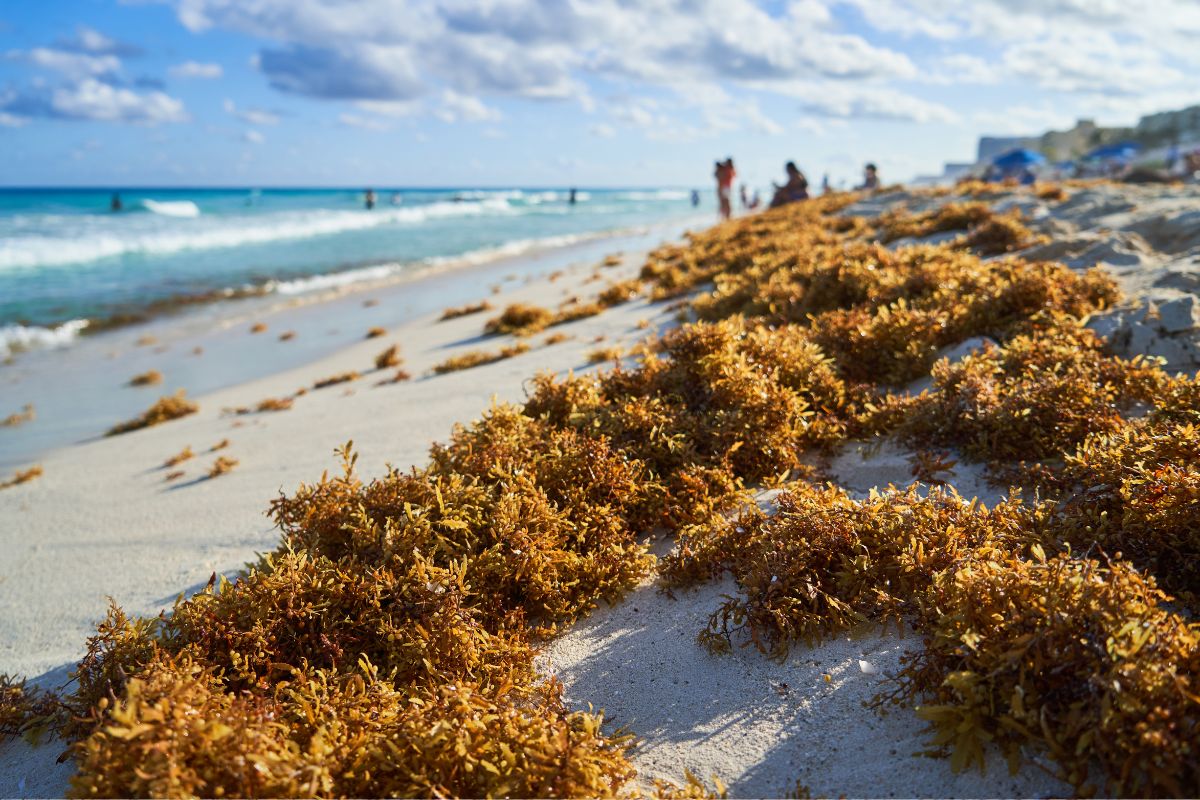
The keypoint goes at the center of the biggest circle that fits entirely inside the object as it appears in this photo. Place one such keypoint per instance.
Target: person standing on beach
(571, 198)
(369, 199)
(115, 205)
(725, 173)
(695, 198)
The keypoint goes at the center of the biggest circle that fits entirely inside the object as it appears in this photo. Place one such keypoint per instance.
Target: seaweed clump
(334, 380)
(1077, 655)
(23, 710)
(22, 476)
(164, 409)
(470, 308)
(149, 378)
(476, 358)
(389, 358)
(521, 319)
(953, 216)
(26, 414)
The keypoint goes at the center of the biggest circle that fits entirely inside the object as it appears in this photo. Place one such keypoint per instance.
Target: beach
(103, 520)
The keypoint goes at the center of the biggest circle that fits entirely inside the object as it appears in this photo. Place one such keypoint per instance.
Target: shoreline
(368, 272)
(324, 320)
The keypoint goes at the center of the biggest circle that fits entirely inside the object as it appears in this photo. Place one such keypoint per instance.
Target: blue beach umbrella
(1018, 159)
(1122, 151)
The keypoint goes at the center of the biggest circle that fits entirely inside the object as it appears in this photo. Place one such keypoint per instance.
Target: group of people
(794, 188)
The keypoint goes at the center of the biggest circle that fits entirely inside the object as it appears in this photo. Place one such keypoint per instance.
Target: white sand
(102, 521)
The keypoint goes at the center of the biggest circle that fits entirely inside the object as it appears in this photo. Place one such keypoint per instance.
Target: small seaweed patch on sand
(174, 475)
(146, 340)
(376, 332)
(258, 327)
(26, 414)
(269, 404)
(1052, 193)
(618, 293)
(605, 354)
(521, 319)
(287, 336)
(572, 311)
(183, 455)
(476, 358)
(164, 409)
(463, 311)
(399, 377)
(556, 338)
(22, 476)
(149, 378)
(334, 380)
(389, 358)
(222, 465)
(23, 709)
(613, 260)
(221, 445)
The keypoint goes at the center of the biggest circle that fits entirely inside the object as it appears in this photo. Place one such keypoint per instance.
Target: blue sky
(557, 92)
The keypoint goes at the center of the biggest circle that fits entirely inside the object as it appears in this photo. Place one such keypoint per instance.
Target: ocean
(69, 264)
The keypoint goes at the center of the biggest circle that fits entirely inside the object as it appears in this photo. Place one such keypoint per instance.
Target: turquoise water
(65, 257)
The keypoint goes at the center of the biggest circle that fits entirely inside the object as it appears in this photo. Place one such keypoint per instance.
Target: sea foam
(215, 232)
(15, 338)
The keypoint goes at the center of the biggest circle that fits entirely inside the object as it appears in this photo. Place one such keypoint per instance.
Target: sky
(560, 92)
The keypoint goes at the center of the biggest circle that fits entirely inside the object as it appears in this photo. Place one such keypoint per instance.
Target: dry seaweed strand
(334, 380)
(389, 358)
(164, 409)
(222, 465)
(180, 457)
(26, 414)
(521, 319)
(476, 358)
(150, 378)
(470, 308)
(22, 476)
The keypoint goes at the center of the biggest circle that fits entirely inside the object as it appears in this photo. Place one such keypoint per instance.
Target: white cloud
(395, 50)
(12, 120)
(253, 137)
(602, 130)
(90, 40)
(365, 123)
(963, 68)
(91, 99)
(251, 116)
(847, 101)
(1022, 120)
(463, 107)
(72, 65)
(196, 69)
(1095, 63)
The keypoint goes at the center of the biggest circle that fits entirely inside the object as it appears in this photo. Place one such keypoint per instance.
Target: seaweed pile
(386, 646)
(164, 409)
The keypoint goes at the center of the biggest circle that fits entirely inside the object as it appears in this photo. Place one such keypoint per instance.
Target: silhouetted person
(794, 190)
(870, 178)
(115, 204)
(369, 200)
(725, 173)
(571, 197)
(695, 198)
